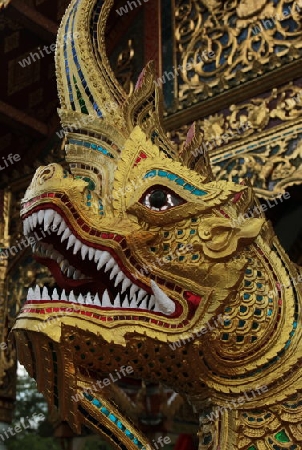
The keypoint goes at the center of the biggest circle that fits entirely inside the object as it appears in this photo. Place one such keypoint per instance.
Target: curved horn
(85, 79)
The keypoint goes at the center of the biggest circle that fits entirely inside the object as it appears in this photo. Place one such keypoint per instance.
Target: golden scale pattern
(236, 271)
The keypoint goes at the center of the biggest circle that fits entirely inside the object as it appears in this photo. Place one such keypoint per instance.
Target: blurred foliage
(32, 441)
(29, 402)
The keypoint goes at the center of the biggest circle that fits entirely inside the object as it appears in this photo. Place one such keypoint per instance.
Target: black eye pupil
(158, 199)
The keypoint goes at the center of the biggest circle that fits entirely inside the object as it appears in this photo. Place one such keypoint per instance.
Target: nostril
(45, 174)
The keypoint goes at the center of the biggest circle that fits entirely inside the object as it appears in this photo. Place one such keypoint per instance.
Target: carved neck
(254, 360)
(262, 319)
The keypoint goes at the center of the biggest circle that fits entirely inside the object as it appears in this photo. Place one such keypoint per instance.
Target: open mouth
(88, 275)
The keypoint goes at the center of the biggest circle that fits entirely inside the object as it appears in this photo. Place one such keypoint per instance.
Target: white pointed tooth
(96, 300)
(41, 216)
(30, 294)
(144, 304)
(71, 241)
(133, 290)
(104, 257)
(48, 250)
(91, 253)
(64, 265)
(106, 300)
(88, 299)
(163, 303)
(76, 275)
(117, 301)
(35, 219)
(114, 271)
(59, 258)
(152, 304)
(141, 295)
(55, 295)
(126, 303)
(81, 299)
(120, 276)
(77, 246)
(64, 296)
(97, 255)
(109, 264)
(62, 228)
(72, 297)
(37, 293)
(56, 220)
(48, 218)
(126, 284)
(84, 251)
(66, 234)
(25, 227)
(133, 303)
(45, 295)
(30, 221)
(54, 255)
(70, 271)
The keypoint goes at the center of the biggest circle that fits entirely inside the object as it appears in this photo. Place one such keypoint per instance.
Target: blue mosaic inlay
(67, 70)
(81, 75)
(92, 146)
(178, 180)
(101, 208)
(114, 420)
(69, 38)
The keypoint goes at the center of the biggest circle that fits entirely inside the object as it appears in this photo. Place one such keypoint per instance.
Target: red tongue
(194, 299)
(62, 280)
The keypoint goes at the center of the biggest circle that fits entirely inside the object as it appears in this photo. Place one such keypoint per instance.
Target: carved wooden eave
(34, 21)
(268, 152)
(240, 84)
(239, 94)
(21, 121)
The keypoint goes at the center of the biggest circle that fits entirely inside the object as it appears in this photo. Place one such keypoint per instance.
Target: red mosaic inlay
(141, 156)
(192, 298)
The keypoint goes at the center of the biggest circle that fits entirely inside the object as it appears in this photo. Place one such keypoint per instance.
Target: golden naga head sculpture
(147, 251)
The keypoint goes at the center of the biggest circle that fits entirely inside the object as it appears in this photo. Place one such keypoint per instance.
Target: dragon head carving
(145, 246)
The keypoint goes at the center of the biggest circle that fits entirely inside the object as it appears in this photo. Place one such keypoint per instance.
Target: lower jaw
(53, 311)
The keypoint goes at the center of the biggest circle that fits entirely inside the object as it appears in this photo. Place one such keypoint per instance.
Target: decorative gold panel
(268, 151)
(248, 38)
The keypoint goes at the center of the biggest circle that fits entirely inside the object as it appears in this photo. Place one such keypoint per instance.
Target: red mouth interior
(97, 280)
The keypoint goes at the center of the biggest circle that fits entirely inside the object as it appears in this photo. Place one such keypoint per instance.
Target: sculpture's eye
(160, 199)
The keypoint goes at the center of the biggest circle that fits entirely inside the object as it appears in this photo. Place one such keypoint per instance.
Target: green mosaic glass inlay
(282, 437)
(91, 185)
(253, 447)
(80, 98)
